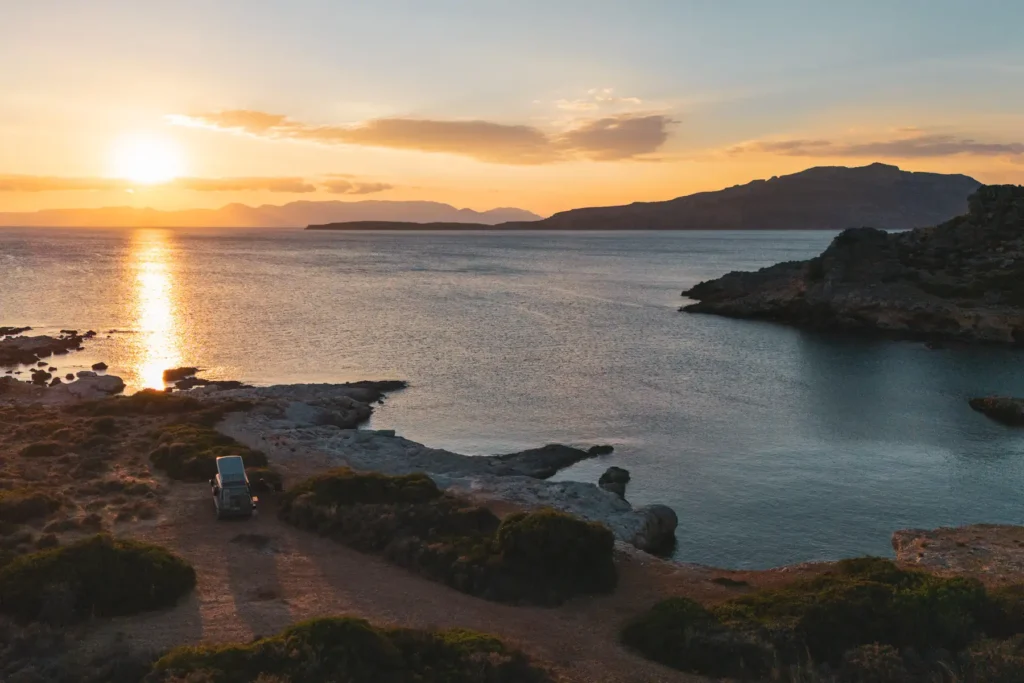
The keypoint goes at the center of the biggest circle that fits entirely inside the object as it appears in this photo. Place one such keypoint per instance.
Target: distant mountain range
(822, 198)
(293, 215)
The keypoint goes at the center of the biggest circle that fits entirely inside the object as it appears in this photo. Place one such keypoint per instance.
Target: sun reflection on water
(155, 319)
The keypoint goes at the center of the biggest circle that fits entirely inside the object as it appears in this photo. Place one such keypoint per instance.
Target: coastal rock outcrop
(90, 386)
(977, 549)
(21, 350)
(306, 420)
(961, 280)
(614, 479)
(1009, 411)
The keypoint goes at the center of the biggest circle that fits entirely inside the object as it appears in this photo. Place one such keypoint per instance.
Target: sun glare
(147, 159)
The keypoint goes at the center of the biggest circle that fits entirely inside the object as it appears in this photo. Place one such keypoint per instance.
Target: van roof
(230, 468)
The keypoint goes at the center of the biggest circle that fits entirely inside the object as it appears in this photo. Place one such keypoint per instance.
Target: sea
(773, 445)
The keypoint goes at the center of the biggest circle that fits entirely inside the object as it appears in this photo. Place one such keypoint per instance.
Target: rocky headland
(962, 280)
(318, 422)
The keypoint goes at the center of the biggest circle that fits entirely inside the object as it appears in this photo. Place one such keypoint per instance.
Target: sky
(543, 105)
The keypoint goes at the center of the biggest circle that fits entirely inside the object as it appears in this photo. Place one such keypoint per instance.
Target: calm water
(773, 445)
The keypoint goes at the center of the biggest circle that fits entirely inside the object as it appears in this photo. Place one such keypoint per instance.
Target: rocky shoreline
(962, 280)
(321, 423)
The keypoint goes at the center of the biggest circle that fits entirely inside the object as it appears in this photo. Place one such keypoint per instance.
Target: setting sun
(147, 159)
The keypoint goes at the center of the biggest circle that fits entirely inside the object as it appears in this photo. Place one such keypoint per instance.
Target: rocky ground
(995, 552)
(962, 280)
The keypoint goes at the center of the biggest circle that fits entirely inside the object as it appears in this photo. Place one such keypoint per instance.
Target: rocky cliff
(960, 280)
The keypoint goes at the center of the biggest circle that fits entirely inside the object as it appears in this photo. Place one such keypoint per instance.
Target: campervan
(232, 495)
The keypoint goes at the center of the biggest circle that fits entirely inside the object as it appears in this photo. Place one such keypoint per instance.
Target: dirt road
(258, 576)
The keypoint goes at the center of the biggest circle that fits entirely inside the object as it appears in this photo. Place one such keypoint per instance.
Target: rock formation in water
(1009, 411)
(960, 280)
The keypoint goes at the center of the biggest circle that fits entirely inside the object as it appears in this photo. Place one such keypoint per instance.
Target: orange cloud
(606, 139)
(297, 185)
(339, 185)
(914, 147)
(28, 183)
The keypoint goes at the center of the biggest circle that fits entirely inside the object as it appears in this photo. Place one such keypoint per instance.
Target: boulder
(91, 386)
(69, 377)
(99, 366)
(55, 381)
(1008, 411)
(657, 533)
(175, 374)
(614, 479)
(602, 449)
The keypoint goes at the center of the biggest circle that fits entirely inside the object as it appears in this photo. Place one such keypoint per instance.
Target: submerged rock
(192, 382)
(961, 280)
(175, 374)
(8, 331)
(614, 479)
(1009, 411)
(19, 350)
(543, 462)
(602, 449)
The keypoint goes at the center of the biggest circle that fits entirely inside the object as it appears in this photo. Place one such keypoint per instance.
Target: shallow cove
(773, 445)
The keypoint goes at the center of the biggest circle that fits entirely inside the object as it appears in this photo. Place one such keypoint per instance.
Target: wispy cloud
(295, 185)
(334, 184)
(339, 185)
(610, 138)
(598, 98)
(913, 147)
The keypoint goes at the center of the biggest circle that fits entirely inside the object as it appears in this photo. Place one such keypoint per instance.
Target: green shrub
(189, 452)
(104, 577)
(995, 661)
(347, 649)
(145, 402)
(560, 550)
(681, 633)
(542, 557)
(874, 663)
(862, 602)
(43, 449)
(18, 506)
(867, 601)
(344, 486)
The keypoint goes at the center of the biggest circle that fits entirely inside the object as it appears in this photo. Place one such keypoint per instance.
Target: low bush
(682, 634)
(39, 653)
(43, 449)
(18, 506)
(189, 452)
(265, 479)
(863, 602)
(347, 649)
(102, 575)
(543, 557)
(145, 402)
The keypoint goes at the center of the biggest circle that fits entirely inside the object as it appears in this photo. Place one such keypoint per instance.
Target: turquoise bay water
(773, 445)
